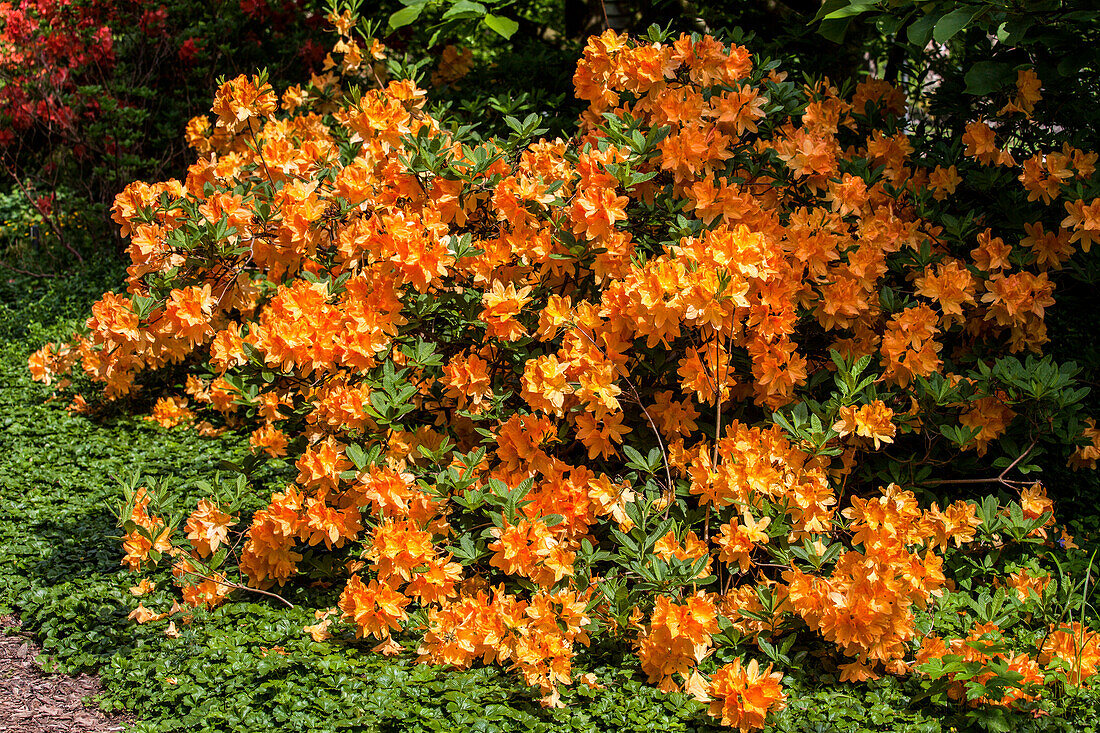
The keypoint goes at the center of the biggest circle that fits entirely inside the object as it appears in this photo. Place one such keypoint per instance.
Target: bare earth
(32, 701)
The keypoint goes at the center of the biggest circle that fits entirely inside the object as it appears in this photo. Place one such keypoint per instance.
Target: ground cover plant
(732, 381)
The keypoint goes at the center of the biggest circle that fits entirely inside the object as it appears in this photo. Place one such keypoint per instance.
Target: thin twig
(999, 478)
(51, 220)
(652, 424)
(231, 584)
(6, 266)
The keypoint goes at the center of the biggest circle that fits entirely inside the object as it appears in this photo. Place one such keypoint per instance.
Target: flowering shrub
(690, 379)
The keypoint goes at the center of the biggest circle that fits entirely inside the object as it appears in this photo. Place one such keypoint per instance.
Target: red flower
(189, 50)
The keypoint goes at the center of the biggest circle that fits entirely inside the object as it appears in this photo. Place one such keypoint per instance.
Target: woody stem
(238, 586)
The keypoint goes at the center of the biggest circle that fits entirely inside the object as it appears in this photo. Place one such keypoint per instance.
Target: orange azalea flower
(142, 615)
(674, 417)
(136, 544)
(142, 588)
(467, 378)
(169, 412)
(1023, 582)
(1087, 455)
(738, 540)
(319, 631)
(600, 436)
(269, 439)
(240, 100)
(1034, 502)
(208, 528)
(951, 285)
(745, 694)
(501, 306)
(990, 417)
(1075, 647)
(1027, 93)
(943, 182)
(321, 465)
(374, 609)
(1084, 220)
(677, 639)
(874, 421)
(980, 143)
(331, 525)
(50, 361)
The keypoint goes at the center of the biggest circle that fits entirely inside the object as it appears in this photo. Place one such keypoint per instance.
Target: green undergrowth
(248, 666)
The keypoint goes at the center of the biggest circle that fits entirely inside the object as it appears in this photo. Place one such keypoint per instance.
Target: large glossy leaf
(985, 77)
(503, 26)
(949, 25)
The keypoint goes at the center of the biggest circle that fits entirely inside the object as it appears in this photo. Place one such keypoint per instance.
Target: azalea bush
(726, 377)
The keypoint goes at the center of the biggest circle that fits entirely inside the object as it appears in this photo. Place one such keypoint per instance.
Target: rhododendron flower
(376, 609)
(745, 694)
(240, 100)
(208, 528)
(1075, 647)
(874, 421)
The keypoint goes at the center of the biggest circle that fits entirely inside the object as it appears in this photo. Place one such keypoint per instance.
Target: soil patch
(32, 701)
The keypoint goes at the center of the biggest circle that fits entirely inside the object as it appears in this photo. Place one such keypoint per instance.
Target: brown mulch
(32, 701)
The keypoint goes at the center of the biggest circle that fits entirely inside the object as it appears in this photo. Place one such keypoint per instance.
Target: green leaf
(405, 16)
(357, 455)
(464, 9)
(505, 27)
(827, 7)
(834, 29)
(953, 22)
(888, 25)
(985, 77)
(919, 31)
(853, 8)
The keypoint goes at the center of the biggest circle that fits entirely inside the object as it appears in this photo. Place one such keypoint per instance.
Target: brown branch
(999, 478)
(21, 271)
(238, 586)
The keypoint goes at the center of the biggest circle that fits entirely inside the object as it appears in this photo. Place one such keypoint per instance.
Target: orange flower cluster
(496, 368)
(169, 412)
(874, 421)
(536, 637)
(137, 544)
(676, 640)
(1075, 648)
(745, 694)
(865, 607)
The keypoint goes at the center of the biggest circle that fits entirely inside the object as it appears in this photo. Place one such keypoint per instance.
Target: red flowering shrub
(94, 93)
